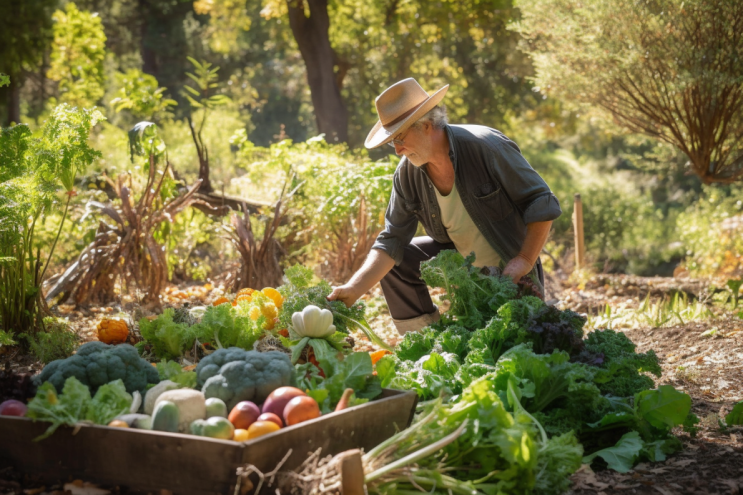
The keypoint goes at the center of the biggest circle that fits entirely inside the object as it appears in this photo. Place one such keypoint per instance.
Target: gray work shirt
(498, 187)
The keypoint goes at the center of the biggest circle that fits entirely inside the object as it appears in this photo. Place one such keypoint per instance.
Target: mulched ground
(710, 369)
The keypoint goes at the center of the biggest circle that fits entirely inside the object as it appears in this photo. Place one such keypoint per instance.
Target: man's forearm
(377, 265)
(536, 237)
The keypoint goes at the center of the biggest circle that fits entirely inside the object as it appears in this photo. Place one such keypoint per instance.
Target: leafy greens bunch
(75, 404)
(474, 297)
(223, 326)
(473, 445)
(37, 179)
(354, 371)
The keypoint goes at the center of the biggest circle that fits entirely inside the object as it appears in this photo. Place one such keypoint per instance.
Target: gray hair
(436, 116)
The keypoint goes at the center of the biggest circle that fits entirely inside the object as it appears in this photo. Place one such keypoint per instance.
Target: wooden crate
(148, 461)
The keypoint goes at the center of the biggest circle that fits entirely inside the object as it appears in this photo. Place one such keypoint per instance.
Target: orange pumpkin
(221, 300)
(112, 331)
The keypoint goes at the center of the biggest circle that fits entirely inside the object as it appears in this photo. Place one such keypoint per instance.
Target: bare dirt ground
(709, 368)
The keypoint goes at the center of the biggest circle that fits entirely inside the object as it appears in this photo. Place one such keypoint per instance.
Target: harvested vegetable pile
(253, 348)
(537, 360)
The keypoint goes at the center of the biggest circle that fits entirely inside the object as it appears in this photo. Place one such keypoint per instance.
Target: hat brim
(380, 135)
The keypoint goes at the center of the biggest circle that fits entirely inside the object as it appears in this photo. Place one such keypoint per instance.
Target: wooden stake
(580, 249)
(352, 473)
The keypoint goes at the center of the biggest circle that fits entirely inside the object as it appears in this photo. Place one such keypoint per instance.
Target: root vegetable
(279, 398)
(300, 409)
(271, 417)
(244, 414)
(345, 398)
(12, 407)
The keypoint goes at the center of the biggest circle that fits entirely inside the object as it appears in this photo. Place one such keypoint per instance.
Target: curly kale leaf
(515, 316)
(474, 297)
(486, 343)
(415, 345)
(454, 339)
(560, 458)
(550, 329)
(299, 277)
(620, 374)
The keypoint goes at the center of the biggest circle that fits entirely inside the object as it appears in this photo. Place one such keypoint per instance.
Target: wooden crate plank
(146, 461)
(364, 426)
(140, 459)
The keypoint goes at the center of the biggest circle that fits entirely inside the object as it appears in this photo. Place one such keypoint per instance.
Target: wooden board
(146, 461)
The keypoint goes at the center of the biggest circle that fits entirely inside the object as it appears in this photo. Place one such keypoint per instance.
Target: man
(471, 189)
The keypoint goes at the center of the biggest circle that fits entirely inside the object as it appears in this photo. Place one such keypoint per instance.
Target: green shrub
(338, 209)
(37, 168)
(712, 232)
(56, 341)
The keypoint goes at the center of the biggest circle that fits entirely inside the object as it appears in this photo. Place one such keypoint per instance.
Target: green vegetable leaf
(622, 456)
(664, 407)
(298, 347)
(66, 409)
(386, 369)
(560, 458)
(109, 401)
(171, 370)
(319, 394)
(690, 424)
(415, 345)
(735, 417)
(356, 368)
(656, 451)
(168, 339)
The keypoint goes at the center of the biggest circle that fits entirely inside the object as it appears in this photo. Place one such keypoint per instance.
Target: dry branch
(125, 251)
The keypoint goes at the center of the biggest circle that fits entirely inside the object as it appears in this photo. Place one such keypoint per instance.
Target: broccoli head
(234, 374)
(96, 364)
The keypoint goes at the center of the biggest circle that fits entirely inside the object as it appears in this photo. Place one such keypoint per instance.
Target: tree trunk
(312, 37)
(14, 101)
(149, 60)
(163, 43)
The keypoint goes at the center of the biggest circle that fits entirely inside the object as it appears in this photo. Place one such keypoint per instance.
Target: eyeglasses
(401, 141)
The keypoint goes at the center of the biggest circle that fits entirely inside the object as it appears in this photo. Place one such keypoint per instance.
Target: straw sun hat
(400, 106)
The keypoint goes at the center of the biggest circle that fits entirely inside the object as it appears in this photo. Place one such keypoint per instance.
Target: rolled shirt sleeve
(400, 225)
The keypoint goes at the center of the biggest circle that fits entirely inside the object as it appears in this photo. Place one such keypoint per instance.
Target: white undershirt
(462, 230)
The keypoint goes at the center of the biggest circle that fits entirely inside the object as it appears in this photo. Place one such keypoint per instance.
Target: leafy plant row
(538, 361)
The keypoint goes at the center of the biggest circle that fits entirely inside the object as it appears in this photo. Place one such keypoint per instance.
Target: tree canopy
(670, 69)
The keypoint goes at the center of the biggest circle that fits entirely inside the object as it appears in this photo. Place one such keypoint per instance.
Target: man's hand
(345, 293)
(375, 267)
(517, 268)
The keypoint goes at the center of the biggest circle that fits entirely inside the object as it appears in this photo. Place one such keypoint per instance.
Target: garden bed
(144, 460)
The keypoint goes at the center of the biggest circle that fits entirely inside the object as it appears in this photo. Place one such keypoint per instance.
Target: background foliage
(228, 87)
